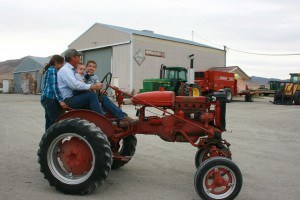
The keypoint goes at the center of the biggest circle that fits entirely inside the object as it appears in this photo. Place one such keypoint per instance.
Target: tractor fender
(100, 121)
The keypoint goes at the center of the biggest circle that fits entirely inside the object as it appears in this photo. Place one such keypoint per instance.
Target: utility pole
(193, 36)
(225, 49)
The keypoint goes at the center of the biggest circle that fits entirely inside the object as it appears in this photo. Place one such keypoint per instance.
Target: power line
(247, 52)
(207, 40)
(265, 54)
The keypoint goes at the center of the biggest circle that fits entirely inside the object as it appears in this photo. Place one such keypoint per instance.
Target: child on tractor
(51, 98)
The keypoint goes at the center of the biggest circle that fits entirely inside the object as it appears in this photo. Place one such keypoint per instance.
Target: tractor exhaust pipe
(191, 73)
(162, 71)
(191, 57)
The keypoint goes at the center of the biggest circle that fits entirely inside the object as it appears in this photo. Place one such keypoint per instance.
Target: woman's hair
(56, 59)
(91, 61)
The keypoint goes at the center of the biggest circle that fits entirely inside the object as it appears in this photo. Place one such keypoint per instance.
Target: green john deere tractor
(174, 79)
(170, 79)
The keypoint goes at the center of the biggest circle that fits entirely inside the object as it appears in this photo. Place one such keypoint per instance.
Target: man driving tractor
(67, 83)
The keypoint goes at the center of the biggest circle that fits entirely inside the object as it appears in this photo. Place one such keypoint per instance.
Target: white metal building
(133, 55)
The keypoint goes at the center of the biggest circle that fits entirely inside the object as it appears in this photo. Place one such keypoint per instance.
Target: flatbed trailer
(250, 93)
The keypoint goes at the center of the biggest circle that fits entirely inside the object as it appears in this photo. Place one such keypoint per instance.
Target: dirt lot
(265, 144)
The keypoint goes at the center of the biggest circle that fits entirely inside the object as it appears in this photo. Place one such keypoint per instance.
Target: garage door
(103, 59)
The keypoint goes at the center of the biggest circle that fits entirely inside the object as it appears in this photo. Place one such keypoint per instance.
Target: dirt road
(265, 144)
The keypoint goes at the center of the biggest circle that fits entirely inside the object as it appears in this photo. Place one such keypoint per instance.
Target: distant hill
(256, 82)
(262, 80)
(7, 68)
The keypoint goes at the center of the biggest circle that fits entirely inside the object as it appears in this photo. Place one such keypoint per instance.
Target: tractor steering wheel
(106, 80)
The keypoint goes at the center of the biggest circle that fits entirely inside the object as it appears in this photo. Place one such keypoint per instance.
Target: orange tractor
(77, 153)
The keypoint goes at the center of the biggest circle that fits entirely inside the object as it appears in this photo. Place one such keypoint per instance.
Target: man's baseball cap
(72, 52)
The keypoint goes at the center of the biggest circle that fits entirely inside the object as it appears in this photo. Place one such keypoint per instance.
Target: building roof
(32, 63)
(151, 34)
(232, 69)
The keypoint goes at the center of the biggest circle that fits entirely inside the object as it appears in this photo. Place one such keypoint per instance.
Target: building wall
(121, 66)
(176, 54)
(123, 63)
(98, 36)
(241, 84)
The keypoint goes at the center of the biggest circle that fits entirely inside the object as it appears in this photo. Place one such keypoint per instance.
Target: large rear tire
(75, 156)
(127, 148)
(196, 90)
(218, 178)
(183, 90)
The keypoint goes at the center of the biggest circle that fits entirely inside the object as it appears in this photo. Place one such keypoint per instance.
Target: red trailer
(215, 81)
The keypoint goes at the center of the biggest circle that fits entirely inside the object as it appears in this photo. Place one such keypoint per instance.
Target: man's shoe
(126, 121)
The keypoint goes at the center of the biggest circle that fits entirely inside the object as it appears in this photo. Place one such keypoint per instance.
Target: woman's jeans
(52, 111)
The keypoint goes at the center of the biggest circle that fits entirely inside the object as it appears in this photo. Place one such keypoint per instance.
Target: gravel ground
(265, 145)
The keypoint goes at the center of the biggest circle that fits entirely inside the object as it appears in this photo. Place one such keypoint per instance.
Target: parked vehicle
(288, 92)
(216, 81)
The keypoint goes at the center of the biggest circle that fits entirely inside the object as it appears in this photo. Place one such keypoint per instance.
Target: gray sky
(47, 27)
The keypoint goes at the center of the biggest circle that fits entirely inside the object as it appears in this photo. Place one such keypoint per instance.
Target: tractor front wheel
(218, 178)
(206, 153)
(75, 156)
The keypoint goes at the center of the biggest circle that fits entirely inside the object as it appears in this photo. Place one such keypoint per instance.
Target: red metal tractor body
(193, 116)
(77, 153)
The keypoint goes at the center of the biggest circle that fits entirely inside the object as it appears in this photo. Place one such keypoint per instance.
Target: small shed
(240, 75)
(28, 77)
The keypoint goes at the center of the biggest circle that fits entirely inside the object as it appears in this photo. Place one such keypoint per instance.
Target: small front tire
(218, 178)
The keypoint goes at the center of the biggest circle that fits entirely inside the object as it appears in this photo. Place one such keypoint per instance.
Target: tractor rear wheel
(75, 156)
(183, 90)
(196, 90)
(218, 178)
(126, 148)
(204, 154)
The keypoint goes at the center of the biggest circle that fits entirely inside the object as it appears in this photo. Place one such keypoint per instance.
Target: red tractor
(77, 153)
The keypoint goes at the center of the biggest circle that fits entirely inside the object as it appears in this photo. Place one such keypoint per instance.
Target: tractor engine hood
(156, 98)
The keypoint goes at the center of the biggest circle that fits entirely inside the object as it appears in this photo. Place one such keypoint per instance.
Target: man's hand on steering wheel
(96, 86)
(106, 80)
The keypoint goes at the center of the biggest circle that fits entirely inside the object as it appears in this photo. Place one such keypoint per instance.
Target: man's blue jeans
(90, 100)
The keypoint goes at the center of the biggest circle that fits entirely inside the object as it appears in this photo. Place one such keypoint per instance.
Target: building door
(103, 59)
